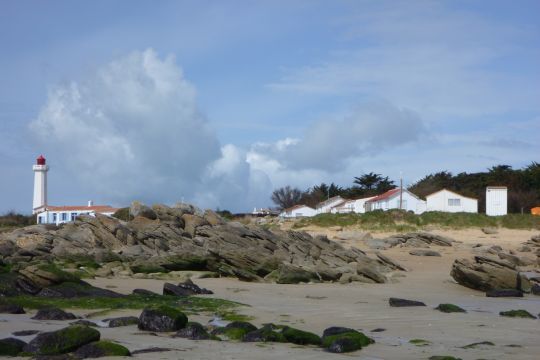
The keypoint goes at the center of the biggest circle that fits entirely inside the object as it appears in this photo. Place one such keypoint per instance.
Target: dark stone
(100, 349)
(123, 321)
(300, 337)
(25, 332)
(193, 331)
(53, 314)
(149, 350)
(171, 289)
(236, 330)
(189, 285)
(162, 319)
(11, 309)
(504, 293)
(343, 345)
(336, 330)
(267, 333)
(450, 308)
(143, 292)
(62, 341)
(378, 330)
(423, 252)
(75, 290)
(397, 302)
(11, 346)
(535, 289)
(27, 286)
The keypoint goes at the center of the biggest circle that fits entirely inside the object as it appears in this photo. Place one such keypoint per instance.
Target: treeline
(523, 187)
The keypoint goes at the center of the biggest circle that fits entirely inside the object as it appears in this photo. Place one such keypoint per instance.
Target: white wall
(449, 201)
(304, 211)
(496, 201)
(48, 217)
(328, 207)
(359, 205)
(409, 203)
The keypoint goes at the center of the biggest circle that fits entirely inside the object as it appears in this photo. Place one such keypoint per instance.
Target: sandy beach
(364, 307)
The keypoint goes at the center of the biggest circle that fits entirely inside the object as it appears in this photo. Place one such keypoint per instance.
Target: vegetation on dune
(12, 220)
(401, 221)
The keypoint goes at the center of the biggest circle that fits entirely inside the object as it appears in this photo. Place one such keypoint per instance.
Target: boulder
(62, 341)
(487, 273)
(138, 209)
(53, 314)
(101, 348)
(300, 337)
(11, 309)
(267, 333)
(123, 321)
(423, 252)
(390, 262)
(516, 260)
(518, 314)
(490, 230)
(143, 292)
(450, 308)
(504, 293)
(186, 288)
(535, 289)
(193, 331)
(192, 222)
(235, 330)
(11, 346)
(342, 340)
(290, 274)
(162, 319)
(397, 302)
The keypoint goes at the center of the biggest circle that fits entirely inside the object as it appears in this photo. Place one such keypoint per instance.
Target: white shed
(344, 207)
(496, 200)
(298, 211)
(360, 205)
(449, 201)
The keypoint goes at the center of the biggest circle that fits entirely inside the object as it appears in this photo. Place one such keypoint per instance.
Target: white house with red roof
(392, 200)
(449, 201)
(48, 214)
(298, 211)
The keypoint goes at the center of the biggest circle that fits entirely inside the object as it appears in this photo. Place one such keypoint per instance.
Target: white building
(327, 205)
(298, 211)
(47, 214)
(360, 205)
(496, 200)
(392, 200)
(449, 201)
(344, 207)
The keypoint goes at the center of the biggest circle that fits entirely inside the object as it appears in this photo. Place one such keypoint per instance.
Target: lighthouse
(40, 184)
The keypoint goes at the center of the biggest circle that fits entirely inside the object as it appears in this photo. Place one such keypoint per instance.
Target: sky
(220, 102)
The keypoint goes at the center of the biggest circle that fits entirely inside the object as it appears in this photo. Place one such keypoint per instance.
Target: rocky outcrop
(62, 341)
(414, 239)
(489, 273)
(184, 238)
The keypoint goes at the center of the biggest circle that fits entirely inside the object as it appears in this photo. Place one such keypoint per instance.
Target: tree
(285, 197)
(367, 181)
(372, 184)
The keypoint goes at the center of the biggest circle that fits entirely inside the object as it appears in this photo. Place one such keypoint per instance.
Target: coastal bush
(449, 308)
(300, 337)
(123, 214)
(518, 314)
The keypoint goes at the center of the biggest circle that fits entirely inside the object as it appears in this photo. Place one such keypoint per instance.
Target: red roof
(386, 195)
(95, 208)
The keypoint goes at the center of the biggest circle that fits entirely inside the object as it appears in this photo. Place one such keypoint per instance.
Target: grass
(402, 221)
(134, 301)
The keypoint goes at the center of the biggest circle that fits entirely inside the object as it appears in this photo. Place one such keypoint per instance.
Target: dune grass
(402, 221)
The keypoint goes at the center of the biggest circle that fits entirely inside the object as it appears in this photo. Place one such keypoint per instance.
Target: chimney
(90, 203)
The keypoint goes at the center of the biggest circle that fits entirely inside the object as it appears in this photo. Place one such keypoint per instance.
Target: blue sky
(219, 102)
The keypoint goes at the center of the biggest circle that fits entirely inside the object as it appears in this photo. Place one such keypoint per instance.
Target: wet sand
(314, 307)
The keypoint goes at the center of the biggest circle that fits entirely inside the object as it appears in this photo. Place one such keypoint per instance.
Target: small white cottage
(360, 204)
(327, 205)
(62, 214)
(344, 207)
(449, 201)
(298, 211)
(392, 200)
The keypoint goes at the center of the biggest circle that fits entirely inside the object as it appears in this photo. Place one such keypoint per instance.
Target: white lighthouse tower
(40, 184)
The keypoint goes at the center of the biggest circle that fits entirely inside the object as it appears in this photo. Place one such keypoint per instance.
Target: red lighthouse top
(41, 160)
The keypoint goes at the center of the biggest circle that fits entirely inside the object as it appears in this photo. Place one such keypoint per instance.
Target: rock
(25, 332)
(289, 274)
(390, 262)
(236, 330)
(267, 333)
(417, 243)
(422, 252)
(487, 273)
(11, 309)
(535, 289)
(450, 308)
(504, 293)
(192, 222)
(143, 292)
(378, 330)
(353, 236)
(518, 313)
(84, 323)
(11, 346)
(123, 321)
(516, 260)
(162, 319)
(186, 288)
(489, 230)
(443, 357)
(300, 337)
(193, 331)
(213, 218)
(150, 350)
(138, 209)
(417, 239)
(524, 248)
(53, 314)
(62, 341)
(101, 348)
(397, 302)
(341, 340)
(46, 275)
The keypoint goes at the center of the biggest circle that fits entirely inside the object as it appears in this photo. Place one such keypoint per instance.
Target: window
(64, 216)
(40, 220)
(454, 202)
(54, 216)
(73, 216)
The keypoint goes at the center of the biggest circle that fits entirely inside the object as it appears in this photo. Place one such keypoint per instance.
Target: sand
(314, 307)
